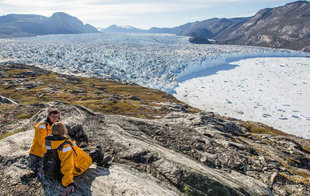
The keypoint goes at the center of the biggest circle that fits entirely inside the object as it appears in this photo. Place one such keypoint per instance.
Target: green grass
(258, 128)
(296, 179)
(2, 136)
(306, 148)
(16, 71)
(24, 116)
(97, 90)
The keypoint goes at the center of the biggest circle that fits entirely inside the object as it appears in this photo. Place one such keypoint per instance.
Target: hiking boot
(104, 161)
(96, 155)
(27, 177)
(99, 147)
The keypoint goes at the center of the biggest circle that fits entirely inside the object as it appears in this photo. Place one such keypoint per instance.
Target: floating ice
(269, 99)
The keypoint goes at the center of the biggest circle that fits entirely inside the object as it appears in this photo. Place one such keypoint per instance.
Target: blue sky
(140, 13)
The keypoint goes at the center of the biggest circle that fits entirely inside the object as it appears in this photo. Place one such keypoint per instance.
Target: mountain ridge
(20, 25)
(123, 29)
(286, 26)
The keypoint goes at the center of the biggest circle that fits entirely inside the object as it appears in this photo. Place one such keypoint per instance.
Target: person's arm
(42, 132)
(66, 165)
(38, 146)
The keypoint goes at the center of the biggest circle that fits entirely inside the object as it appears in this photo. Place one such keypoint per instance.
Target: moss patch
(16, 71)
(259, 128)
(24, 116)
(296, 179)
(93, 93)
(306, 148)
(2, 136)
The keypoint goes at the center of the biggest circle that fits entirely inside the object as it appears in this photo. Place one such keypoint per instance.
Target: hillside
(20, 25)
(160, 146)
(287, 27)
(282, 27)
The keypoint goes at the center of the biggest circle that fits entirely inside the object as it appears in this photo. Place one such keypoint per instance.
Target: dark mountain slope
(282, 27)
(287, 26)
(15, 25)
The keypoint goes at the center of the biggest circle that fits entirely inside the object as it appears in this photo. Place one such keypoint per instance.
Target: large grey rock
(180, 154)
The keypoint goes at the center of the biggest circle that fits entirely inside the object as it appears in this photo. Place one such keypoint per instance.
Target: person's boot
(27, 177)
(104, 161)
(98, 157)
(99, 147)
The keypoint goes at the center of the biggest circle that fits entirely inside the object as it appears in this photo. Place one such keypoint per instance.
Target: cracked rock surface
(179, 154)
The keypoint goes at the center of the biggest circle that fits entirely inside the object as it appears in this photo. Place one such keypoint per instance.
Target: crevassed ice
(153, 60)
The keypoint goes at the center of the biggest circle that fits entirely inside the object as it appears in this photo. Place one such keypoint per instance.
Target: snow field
(274, 91)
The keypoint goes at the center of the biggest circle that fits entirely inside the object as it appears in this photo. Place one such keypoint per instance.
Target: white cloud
(105, 8)
(95, 11)
(113, 7)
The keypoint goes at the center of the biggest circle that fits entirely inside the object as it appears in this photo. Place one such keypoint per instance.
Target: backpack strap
(60, 147)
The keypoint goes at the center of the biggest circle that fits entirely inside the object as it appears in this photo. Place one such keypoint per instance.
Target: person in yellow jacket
(38, 148)
(73, 160)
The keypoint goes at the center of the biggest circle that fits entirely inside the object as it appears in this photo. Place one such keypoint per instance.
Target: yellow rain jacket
(73, 160)
(41, 131)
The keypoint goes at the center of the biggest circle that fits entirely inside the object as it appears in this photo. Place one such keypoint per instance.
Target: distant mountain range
(20, 25)
(123, 29)
(287, 26)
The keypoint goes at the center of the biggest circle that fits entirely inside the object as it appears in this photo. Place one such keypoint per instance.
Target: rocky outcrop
(179, 150)
(6, 100)
(180, 154)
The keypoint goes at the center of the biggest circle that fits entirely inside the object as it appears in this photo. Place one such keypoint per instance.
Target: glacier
(172, 64)
(156, 61)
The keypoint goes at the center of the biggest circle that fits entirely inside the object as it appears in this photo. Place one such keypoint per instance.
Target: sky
(140, 13)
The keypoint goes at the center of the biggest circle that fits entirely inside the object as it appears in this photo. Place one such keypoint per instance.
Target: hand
(68, 190)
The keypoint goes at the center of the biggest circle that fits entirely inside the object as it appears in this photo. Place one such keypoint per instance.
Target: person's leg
(35, 163)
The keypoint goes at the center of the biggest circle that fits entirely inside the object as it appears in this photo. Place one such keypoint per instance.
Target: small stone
(273, 176)
(204, 159)
(199, 147)
(134, 98)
